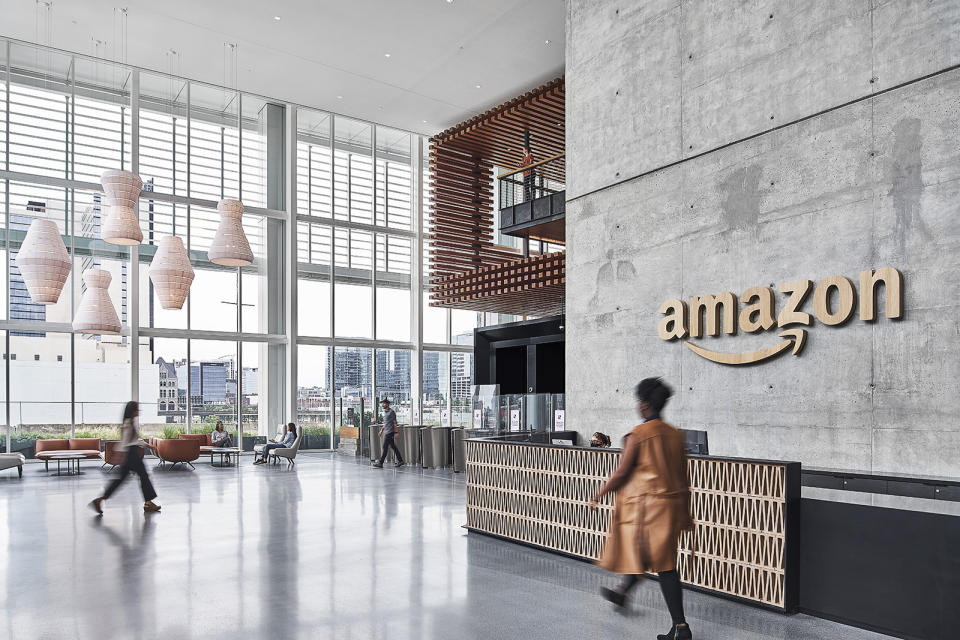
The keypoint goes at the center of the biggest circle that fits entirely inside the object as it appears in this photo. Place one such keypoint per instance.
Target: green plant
(316, 431)
(27, 435)
(172, 432)
(101, 433)
(205, 427)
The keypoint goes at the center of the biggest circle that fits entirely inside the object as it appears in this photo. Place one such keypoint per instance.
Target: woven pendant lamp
(43, 262)
(171, 272)
(121, 225)
(96, 313)
(230, 247)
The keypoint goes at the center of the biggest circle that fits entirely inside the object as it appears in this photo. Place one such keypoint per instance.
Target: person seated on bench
(287, 441)
(221, 438)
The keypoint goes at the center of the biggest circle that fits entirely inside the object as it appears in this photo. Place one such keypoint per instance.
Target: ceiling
(328, 55)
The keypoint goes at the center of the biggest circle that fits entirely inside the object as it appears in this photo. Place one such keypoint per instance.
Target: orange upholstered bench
(88, 447)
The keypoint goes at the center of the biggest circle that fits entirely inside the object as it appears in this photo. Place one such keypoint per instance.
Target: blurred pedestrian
(651, 508)
(133, 448)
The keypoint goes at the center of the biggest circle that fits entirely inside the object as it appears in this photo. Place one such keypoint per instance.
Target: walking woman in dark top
(133, 446)
(652, 507)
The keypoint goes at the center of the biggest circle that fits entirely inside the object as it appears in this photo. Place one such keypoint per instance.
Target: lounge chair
(288, 453)
(11, 460)
(258, 448)
(177, 451)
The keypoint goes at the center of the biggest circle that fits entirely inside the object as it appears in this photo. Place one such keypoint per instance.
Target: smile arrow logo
(796, 337)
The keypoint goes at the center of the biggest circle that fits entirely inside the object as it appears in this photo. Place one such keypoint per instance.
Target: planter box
(315, 442)
(350, 432)
(27, 447)
(250, 443)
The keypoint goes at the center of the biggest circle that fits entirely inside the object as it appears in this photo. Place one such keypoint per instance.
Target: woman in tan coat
(652, 506)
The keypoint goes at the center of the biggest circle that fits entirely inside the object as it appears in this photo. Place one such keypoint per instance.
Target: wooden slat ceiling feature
(461, 219)
(461, 163)
(497, 135)
(470, 270)
(529, 286)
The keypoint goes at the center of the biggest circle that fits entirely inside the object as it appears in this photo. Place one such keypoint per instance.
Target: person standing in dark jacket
(389, 432)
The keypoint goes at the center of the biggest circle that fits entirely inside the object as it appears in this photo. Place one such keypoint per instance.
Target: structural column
(273, 362)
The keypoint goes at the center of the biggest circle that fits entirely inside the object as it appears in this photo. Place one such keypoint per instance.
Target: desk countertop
(883, 500)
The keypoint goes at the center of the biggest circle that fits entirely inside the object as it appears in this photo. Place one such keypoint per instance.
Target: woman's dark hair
(603, 438)
(130, 410)
(219, 425)
(654, 392)
(291, 427)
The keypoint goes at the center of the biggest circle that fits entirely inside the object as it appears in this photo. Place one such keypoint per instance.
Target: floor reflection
(328, 549)
(134, 553)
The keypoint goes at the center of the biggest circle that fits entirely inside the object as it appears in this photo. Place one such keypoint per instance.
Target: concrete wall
(714, 148)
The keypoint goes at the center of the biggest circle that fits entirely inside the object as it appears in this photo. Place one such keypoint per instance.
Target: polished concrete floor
(329, 549)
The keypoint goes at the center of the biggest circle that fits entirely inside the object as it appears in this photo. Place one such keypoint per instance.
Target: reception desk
(745, 544)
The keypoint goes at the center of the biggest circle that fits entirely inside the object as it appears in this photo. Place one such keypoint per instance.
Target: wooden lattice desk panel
(746, 512)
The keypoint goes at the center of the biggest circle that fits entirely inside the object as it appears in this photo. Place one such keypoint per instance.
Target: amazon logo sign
(834, 303)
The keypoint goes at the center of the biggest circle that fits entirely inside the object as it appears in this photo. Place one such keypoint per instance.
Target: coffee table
(72, 458)
(47, 456)
(222, 451)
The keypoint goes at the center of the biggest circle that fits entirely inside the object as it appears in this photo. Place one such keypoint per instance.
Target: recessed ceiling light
(339, 97)
(478, 86)
(425, 122)
(276, 17)
(546, 42)
(386, 55)
(449, 1)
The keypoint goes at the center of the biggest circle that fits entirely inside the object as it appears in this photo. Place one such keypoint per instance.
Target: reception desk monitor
(696, 442)
(745, 544)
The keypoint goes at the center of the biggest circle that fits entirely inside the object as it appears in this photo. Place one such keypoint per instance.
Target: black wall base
(887, 570)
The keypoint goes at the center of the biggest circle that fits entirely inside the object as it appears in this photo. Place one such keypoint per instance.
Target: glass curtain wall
(360, 202)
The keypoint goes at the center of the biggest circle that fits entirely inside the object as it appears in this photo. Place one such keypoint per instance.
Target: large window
(353, 401)
(436, 387)
(314, 400)
(461, 383)
(393, 382)
(394, 287)
(355, 227)
(38, 368)
(164, 383)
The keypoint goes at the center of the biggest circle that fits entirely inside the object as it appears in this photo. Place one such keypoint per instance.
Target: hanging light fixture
(230, 247)
(43, 261)
(96, 313)
(121, 225)
(171, 272)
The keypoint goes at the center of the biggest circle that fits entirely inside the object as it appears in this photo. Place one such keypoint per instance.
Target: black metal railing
(537, 180)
